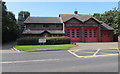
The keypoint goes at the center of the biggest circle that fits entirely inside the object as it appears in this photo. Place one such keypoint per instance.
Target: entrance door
(45, 34)
(91, 35)
(74, 34)
(106, 37)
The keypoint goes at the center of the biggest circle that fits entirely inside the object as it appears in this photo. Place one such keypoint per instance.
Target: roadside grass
(43, 47)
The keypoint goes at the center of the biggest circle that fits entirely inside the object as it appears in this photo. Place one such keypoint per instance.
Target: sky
(53, 9)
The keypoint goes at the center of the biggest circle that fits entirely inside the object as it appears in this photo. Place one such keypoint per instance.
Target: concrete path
(8, 48)
(96, 45)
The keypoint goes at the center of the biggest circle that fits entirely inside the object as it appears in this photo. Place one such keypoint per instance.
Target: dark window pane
(73, 36)
(57, 25)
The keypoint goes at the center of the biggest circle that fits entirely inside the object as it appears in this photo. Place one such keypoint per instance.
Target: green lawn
(43, 47)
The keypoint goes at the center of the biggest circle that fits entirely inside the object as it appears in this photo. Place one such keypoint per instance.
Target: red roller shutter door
(106, 37)
(74, 34)
(91, 35)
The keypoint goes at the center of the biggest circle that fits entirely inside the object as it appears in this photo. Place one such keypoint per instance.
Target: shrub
(50, 40)
(58, 40)
(27, 41)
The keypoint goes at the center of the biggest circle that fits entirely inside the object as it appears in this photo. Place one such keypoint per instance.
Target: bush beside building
(49, 40)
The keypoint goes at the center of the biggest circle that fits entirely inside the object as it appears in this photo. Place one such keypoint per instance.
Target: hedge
(49, 40)
(58, 40)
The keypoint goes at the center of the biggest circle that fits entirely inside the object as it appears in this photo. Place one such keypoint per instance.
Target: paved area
(95, 49)
(96, 45)
(63, 61)
(57, 61)
(94, 53)
(119, 45)
(8, 47)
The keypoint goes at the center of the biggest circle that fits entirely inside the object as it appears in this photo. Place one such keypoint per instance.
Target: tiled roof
(82, 18)
(41, 31)
(63, 18)
(105, 26)
(43, 20)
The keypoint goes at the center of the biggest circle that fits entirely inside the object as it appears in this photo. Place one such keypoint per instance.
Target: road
(57, 61)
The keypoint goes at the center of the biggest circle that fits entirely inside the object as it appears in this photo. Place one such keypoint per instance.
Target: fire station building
(80, 28)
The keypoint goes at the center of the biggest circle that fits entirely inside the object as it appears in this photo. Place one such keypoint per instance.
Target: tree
(9, 26)
(110, 17)
(98, 16)
(119, 23)
(22, 16)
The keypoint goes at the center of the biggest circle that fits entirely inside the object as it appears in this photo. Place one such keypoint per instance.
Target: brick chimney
(75, 12)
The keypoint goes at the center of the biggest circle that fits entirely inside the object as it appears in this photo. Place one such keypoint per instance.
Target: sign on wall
(42, 40)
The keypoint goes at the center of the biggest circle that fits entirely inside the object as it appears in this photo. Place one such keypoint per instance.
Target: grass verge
(43, 47)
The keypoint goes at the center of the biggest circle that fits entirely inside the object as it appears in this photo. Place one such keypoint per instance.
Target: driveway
(96, 45)
(95, 49)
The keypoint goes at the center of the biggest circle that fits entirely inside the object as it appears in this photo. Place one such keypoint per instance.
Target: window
(68, 34)
(68, 29)
(45, 26)
(73, 36)
(57, 25)
(90, 36)
(90, 30)
(72, 29)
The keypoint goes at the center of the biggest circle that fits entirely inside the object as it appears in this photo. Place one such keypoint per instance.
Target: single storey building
(80, 28)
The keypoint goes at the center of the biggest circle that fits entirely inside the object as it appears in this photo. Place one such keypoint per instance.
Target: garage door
(91, 35)
(74, 34)
(106, 37)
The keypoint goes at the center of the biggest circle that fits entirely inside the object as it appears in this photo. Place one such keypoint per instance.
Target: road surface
(57, 61)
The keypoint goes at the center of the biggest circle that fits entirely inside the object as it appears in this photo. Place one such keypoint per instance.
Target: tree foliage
(112, 18)
(22, 16)
(119, 23)
(9, 26)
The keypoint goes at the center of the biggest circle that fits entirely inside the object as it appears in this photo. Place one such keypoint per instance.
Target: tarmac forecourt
(94, 52)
